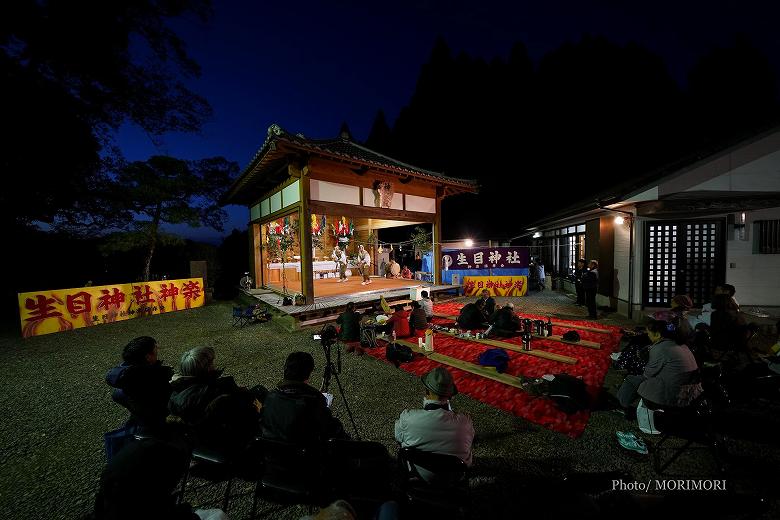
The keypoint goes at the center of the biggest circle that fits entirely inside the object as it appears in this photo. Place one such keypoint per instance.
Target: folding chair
(694, 425)
(242, 316)
(448, 490)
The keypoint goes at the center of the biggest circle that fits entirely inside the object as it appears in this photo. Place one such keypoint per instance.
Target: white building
(683, 231)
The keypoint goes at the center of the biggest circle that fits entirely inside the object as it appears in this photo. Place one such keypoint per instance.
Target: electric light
(468, 242)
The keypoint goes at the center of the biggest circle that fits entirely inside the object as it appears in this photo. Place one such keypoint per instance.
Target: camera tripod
(332, 370)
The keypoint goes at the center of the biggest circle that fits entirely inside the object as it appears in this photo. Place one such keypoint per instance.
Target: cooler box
(414, 293)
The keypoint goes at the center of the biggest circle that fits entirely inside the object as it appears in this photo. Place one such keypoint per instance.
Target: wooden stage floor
(332, 297)
(327, 287)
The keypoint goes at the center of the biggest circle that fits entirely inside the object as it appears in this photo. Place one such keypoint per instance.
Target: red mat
(592, 365)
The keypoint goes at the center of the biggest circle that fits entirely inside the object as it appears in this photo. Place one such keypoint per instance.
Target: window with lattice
(767, 237)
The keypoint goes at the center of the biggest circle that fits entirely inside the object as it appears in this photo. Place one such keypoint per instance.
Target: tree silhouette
(167, 190)
(73, 72)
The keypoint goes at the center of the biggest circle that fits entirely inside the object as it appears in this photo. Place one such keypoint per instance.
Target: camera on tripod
(327, 336)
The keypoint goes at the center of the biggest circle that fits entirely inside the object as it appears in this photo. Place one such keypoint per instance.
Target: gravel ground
(56, 407)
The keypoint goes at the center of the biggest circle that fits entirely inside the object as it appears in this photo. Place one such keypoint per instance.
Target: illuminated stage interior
(328, 287)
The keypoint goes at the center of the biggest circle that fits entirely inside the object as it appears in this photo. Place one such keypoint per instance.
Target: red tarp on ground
(591, 366)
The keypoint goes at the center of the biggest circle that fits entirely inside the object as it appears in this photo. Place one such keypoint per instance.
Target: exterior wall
(620, 284)
(756, 277)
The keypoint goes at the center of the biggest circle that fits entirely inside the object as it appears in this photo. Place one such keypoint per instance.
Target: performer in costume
(364, 263)
(340, 257)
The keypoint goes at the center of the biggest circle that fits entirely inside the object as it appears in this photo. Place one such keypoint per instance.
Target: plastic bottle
(549, 327)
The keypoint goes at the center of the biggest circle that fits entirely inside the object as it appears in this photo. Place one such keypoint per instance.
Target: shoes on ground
(630, 441)
(615, 356)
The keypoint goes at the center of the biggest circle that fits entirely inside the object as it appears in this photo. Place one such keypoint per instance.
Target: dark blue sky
(310, 65)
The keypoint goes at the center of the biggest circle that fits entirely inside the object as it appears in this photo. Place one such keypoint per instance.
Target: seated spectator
(142, 383)
(472, 316)
(296, 412)
(728, 329)
(678, 314)
(436, 428)
(139, 483)
(223, 414)
(504, 323)
(488, 304)
(350, 324)
(418, 321)
(426, 304)
(671, 377)
(406, 273)
(399, 323)
(704, 316)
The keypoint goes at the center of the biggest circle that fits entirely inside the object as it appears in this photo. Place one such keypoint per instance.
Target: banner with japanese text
(485, 258)
(497, 285)
(44, 312)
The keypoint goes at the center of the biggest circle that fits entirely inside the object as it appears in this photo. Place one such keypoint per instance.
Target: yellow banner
(496, 285)
(44, 312)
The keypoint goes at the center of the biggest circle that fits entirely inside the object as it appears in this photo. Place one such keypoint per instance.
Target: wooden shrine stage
(331, 297)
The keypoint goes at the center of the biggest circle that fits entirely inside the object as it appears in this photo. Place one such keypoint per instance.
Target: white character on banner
(462, 259)
(513, 258)
(494, 257)
(478, 258)
(446, 261)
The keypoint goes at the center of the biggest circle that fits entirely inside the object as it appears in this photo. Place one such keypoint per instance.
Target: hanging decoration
(383, 194)
(318, 226)
(343, 230)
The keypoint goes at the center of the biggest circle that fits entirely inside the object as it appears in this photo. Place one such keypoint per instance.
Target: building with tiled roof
(337, 190)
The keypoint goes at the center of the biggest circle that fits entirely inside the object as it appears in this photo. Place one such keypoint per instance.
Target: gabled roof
(265, 170)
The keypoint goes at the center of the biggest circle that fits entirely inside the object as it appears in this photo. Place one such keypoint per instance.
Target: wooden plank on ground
(555, 323)
(515, 348)
(486, 372)
(581, 343)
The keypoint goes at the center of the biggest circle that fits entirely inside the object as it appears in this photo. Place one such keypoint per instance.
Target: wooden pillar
(437, 234)
(304, 231)
(255, 255)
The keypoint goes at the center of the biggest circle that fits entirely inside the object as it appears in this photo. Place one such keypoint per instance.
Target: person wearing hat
(295, 411)
(435, 427)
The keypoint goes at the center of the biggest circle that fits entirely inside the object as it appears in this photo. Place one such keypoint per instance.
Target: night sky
(308, 66)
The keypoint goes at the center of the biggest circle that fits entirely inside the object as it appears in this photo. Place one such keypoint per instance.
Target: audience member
(399, 322)
(504, 323)
(579, 272)
(142, 383)
(426, 304)
(435, 427)
(671, 377)
(678, 315)
(139, 482)
(488, 303)
(224, 415)
(349, 320)
(297, 412)
(705, 314)
(418, 321)
(590, 284)
(472, 316)
(728, 329)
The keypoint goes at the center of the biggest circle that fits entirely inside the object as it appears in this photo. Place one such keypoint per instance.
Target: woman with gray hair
(223, 414)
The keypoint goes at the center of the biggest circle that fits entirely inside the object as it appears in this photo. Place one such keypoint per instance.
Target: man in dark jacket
(472, 316)
(350, 324)
(142, 383)
(579, 273)
(488, 303)
(418, 321)
(504, 322)
(224, 415)
(296, 412)
(590, 283)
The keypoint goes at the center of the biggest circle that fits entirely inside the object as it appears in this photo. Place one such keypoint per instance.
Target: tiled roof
(342, 147)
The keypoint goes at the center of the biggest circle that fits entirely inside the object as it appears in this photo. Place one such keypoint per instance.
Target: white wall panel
(422, 204)
(334, 192)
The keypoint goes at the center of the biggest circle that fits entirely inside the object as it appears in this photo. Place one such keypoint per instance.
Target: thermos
(549, 327)
(526, 337)
(539, 327)
(527, 325)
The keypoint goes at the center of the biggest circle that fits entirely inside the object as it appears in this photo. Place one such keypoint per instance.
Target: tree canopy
(73, 72)
(165, 190)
